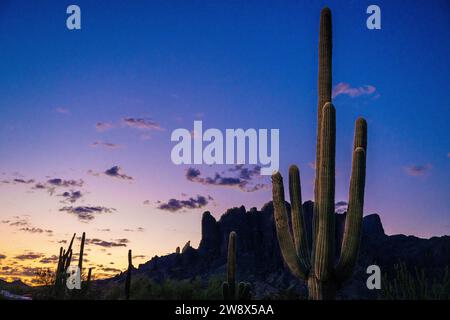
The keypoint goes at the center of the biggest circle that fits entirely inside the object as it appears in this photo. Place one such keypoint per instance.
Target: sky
(86, 117)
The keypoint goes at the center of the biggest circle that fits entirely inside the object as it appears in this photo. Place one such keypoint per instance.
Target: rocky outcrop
(259, 259)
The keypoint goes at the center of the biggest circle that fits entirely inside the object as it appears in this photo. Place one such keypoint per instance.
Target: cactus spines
(230, 292)
(128, 278)
(318, 267)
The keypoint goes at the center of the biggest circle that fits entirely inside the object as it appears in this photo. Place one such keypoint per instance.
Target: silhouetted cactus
(128, 277)
(317, 267)
(80, 258)
(229, 287)
(65, 258)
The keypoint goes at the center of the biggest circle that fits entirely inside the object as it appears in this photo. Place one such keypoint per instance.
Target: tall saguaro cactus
(229, 287)
(318, 268)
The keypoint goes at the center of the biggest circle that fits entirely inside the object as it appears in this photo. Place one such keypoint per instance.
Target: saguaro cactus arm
(324, 249)
(287, 246)
(298, 221)
(353, 220)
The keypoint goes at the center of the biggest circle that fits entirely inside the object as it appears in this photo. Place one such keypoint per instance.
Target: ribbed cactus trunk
(324, 95)
(318, 267)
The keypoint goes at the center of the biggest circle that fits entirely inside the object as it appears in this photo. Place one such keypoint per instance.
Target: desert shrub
(143, 288)
(417, 285)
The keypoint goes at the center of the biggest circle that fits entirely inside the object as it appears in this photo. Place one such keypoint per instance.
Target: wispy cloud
(107, 145)
(116, 172)
(47, 260)
(62, 110)
(103, 126)
(142, 123)
(238, 176)
(418, 170)
(344, 88)
(341, 206)
(29, 256)
(86, 213)
(174, 205)
(22, 224)
(108, 244)
(23, 181)
(36, 230)
(71, 196)
(58, 182)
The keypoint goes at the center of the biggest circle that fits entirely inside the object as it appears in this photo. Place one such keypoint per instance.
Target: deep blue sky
(233, 64)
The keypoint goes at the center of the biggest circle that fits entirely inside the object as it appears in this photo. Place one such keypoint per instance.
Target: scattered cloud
(238, 176)
(108, 244)
(36, 230)
(2, 256)
(107, 145)
(86, 213)
(139, 229)
(71, 196)
(116, 172)
(344, 88)
(29, 256)
(141, 123)
(146, 137)
(47, 260)
(418, 170)
(62, 110)
(111, 270)
(341, 206)
(58, 182)
(174, 205)
(24, 225)
(23, 181)
(103, 126)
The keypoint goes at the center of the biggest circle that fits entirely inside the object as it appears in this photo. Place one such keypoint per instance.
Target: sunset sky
(86, 117)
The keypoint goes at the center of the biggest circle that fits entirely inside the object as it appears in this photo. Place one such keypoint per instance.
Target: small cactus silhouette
(229, 287)
(64, 260)
(128, 277)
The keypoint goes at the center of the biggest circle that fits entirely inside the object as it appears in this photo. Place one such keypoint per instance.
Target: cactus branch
(298, 223)
(353, 220)
(283, 232)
